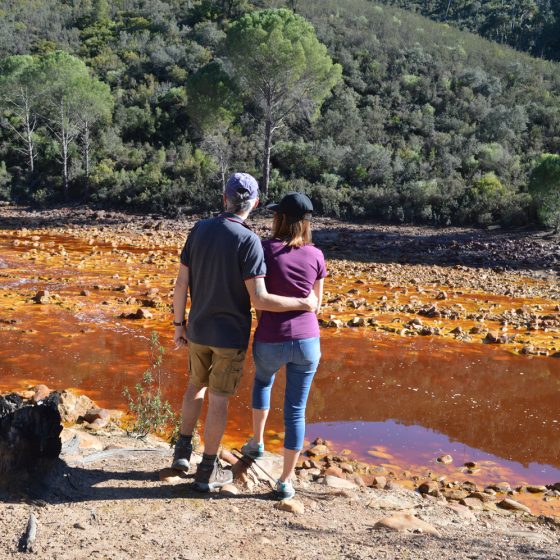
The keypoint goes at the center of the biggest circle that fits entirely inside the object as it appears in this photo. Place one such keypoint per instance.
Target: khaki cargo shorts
(219, 369)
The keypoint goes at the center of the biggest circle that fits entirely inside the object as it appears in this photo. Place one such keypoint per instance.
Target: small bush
(152, 413)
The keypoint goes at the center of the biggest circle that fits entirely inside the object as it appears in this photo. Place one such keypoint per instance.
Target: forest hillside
(427, 124)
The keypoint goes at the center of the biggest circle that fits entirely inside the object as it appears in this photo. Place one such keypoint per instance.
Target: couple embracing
(227, 270)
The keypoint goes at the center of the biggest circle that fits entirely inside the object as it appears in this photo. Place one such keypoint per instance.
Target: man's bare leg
(215, 424)
(192, 406)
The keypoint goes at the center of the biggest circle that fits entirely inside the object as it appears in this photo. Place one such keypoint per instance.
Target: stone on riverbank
(335, 482)
(403, 522)
(512, 505)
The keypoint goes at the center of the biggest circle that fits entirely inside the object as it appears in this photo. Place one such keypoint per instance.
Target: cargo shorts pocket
(227, 370)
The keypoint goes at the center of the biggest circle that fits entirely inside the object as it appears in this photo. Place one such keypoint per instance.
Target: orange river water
(393, 401)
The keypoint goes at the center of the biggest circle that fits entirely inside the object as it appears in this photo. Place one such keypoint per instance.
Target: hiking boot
(210, 476)
(182, 454)
(284, 490)
(253, 450)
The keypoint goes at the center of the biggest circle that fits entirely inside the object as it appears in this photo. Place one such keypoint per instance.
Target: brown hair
(295, 234)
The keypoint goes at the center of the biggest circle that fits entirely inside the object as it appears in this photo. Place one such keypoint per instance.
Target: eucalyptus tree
(20, 93)
(281, 68)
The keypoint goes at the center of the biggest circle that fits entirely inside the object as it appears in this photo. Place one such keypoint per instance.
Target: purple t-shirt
(291, 272)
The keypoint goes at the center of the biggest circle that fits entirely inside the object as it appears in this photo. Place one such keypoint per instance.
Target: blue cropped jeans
(301, 358)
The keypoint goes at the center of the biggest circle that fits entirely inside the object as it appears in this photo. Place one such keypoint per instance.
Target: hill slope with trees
(528, 25)
(428, 124)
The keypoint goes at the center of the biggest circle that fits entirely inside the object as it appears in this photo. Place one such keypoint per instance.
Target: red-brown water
(394, 401)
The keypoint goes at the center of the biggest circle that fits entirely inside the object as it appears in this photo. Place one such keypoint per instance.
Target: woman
(294, 268)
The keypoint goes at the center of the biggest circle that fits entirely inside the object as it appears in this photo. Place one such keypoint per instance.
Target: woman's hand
(180, 337)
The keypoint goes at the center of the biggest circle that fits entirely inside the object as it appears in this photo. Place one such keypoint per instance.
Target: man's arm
(180, 296)
(262, 300)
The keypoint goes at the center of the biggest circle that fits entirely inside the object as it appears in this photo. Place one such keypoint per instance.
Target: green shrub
(151, 413)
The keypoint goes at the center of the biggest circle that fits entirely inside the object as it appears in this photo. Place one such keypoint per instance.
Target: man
(222, 265)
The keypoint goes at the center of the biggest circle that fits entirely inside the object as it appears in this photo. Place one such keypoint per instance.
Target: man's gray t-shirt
(221, 254)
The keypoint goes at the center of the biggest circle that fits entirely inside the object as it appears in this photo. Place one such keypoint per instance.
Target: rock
(292, 506)
(502, 487)
(379, 482)
(482, 496)
(334, 471)
(455, 494)
(430, 487)
(96, 414)
(358, 480)
(42, 297)
(169, 475)
(536, 489)
(403, 522)
(143, 313)
(318, 450)
(73, 406)
(461, 511)
(347, 468)
(472, 503)
(41, 393)
(335, 482)
(356, 322)
(445, 459)
(512, 505)
(87, 441)
(229, 490)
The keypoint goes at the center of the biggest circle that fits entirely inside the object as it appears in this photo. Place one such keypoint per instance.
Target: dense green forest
(147, 104)
(529, 25)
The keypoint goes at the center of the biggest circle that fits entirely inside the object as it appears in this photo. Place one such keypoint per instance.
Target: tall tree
(20, 92)
(282, 68)
(74, 102)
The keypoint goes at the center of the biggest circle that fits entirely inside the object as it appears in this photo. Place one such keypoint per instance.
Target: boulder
(72, 406)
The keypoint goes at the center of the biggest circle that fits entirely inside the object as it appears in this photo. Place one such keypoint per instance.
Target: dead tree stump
(29, 439)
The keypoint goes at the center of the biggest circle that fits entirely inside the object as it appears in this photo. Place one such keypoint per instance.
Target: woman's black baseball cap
(294, 205)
